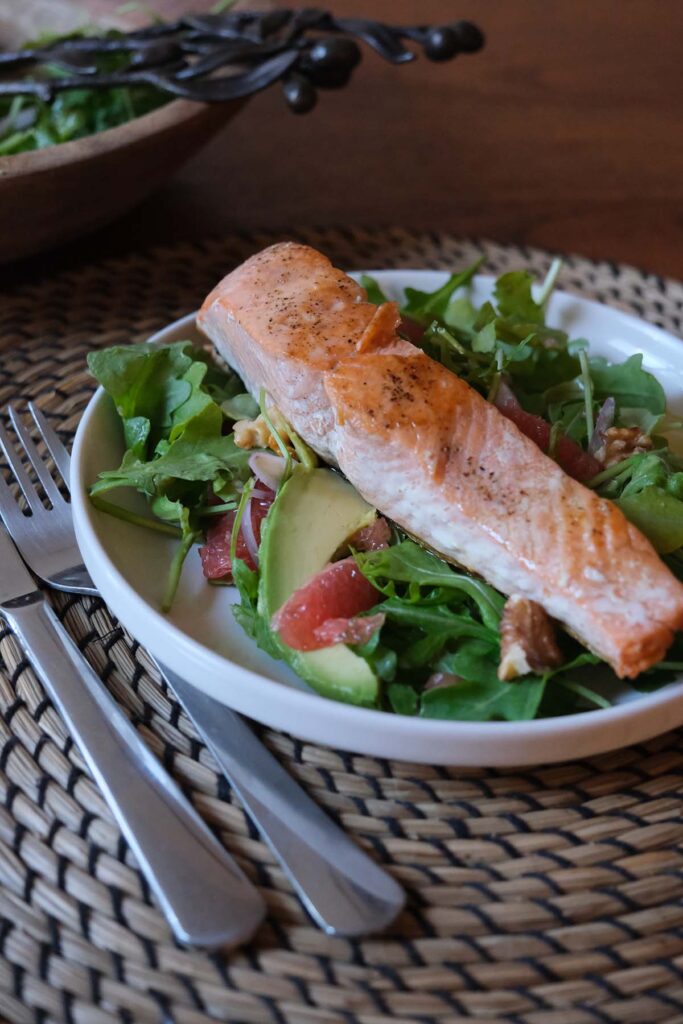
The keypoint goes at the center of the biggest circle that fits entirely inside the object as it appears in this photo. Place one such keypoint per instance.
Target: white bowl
(202, 642)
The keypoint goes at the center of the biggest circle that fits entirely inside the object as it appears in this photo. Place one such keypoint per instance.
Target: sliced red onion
(604, 421)
(247, 528)
(262, 495)
(267, 467)
(505, 397)
(438, 680)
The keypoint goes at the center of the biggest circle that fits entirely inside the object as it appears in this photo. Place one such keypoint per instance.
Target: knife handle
(342, 888)
(202, 892)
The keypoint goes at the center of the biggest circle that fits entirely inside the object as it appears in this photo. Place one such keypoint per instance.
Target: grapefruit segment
(349, 631)
(215, 554)
(337, 592)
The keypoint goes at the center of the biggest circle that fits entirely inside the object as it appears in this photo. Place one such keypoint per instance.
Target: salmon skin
(429, 452)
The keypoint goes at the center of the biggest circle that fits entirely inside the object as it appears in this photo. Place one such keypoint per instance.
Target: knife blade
(205, 896)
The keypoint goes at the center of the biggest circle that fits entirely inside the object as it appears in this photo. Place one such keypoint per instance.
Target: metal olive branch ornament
(305, 50)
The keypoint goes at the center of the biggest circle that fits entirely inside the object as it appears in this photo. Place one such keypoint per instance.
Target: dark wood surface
(565, 132)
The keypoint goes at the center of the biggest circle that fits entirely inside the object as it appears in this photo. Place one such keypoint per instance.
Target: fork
(344, 891)
(206, 898)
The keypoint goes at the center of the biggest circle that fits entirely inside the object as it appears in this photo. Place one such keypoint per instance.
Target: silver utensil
(344, 891)
(207, 900)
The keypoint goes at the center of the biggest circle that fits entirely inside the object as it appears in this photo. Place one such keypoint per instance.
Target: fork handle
(342, 888)
(204, 895)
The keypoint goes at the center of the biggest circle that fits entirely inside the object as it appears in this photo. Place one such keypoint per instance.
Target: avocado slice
(314, 513)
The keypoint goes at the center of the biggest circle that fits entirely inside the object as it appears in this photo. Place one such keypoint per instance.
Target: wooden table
(564, 132)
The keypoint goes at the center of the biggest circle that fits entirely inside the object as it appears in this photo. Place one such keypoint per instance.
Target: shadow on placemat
(544, 896)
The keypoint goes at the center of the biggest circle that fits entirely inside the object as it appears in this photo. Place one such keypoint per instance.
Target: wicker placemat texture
(544, 896)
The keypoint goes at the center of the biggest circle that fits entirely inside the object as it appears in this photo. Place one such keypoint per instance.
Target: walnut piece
(527, 639)
(620, 442)
(252, 433)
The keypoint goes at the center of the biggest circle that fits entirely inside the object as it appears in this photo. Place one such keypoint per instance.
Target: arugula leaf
(438, 618)
(474, 660)
(657, 514)
(485, 700)
(425, 650)
(199, 454)
(481, 696)
(628, 383)
(167, 509)
(196, 403)
(147, 384)
(125, 371)
(674, 485)
(514, 298)
(172, 424)
(537, 368)
(136, 434)
(402, 698)
(612, 480)
(382, 660)
(463, 317)
(427, 306)
(373, 290)
(240, 407)
(579, 661)
(648, 471)
(407, 562)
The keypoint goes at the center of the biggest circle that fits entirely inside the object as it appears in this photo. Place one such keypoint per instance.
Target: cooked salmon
(281, 320)
(433, 455)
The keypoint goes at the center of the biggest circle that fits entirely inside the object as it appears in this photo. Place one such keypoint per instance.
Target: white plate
(201, 640)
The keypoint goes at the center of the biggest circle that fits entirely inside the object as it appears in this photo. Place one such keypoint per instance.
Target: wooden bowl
(52, 195)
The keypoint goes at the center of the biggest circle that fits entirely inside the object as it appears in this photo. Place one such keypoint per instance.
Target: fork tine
(20, 474)
(34, 458)
(10, 513)
(53, 443)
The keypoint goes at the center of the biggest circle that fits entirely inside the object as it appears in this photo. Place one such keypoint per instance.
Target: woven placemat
(545, 896)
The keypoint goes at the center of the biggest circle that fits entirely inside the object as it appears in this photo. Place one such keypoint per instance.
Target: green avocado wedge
(314, 513)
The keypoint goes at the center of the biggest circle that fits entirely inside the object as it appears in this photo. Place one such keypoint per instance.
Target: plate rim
(115, 588)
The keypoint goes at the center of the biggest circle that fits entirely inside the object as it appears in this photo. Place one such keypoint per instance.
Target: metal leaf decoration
(214, 58)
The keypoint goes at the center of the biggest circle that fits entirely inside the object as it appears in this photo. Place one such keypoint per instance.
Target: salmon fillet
(429, 452)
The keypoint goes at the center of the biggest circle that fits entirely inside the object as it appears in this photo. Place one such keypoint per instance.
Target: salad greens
(438, 651)
(27, 122)
(441, 621)
(174, 405)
